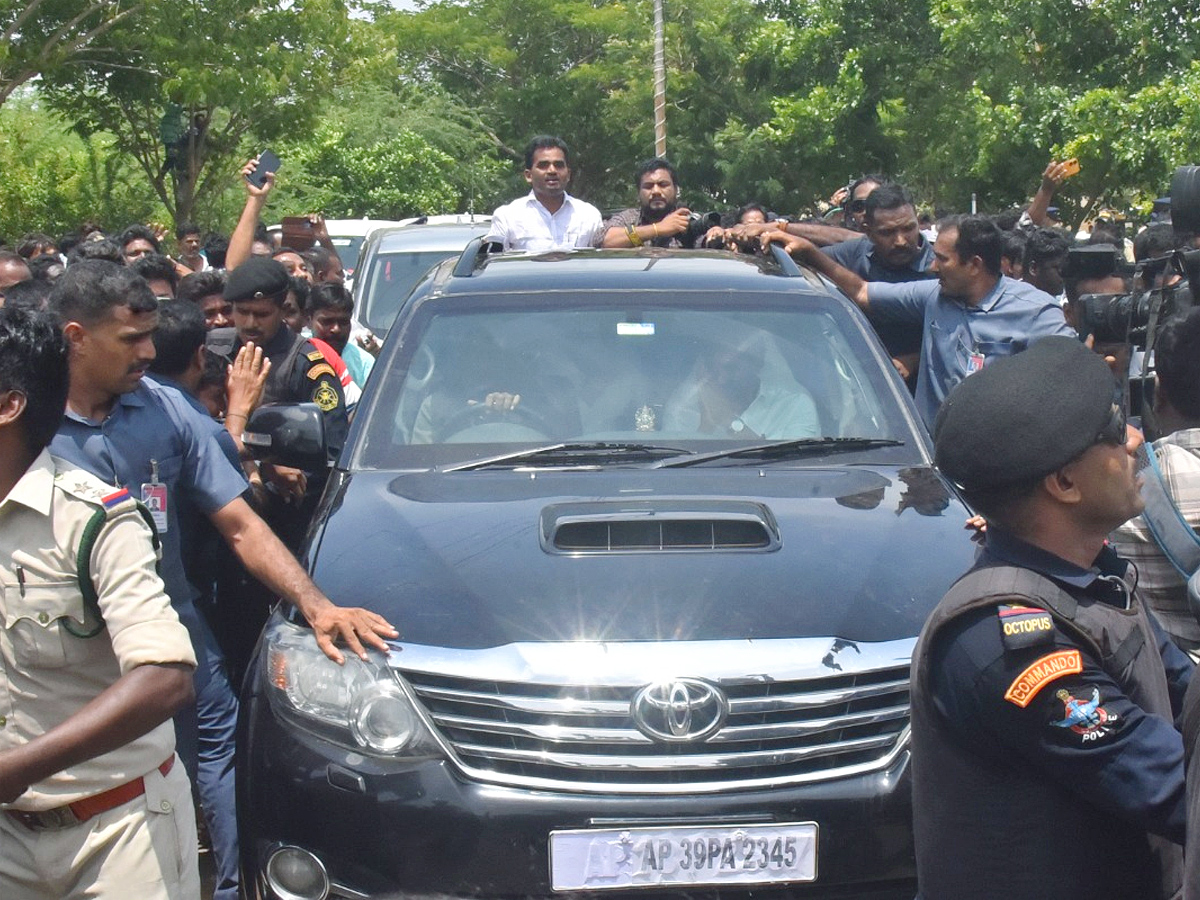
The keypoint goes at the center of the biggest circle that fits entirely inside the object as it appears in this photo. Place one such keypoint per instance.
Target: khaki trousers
(144, 849)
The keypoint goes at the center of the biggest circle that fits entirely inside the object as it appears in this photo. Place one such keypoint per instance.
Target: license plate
(592, 859)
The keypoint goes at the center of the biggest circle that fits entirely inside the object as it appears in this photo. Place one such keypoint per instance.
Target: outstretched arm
(807, 252)
(243, 234)
(268, 560)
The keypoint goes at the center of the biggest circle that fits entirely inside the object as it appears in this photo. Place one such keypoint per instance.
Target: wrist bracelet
(634, 237)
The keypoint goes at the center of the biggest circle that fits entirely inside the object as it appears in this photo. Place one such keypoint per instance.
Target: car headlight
(358, 704)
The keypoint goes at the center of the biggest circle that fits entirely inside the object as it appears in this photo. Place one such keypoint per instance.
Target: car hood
(468, 559)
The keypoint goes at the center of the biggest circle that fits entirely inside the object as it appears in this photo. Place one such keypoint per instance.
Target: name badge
(974, 363)
(154, 498)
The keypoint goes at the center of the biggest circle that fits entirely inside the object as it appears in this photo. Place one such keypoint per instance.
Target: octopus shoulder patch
(1048, 668)
(1022, 627)
(1086, 717)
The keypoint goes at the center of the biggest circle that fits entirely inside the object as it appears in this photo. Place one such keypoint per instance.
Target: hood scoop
(658, 526)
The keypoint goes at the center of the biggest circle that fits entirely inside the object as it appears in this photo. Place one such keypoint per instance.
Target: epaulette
(1022, 627)
(315, 355)
(84, 486)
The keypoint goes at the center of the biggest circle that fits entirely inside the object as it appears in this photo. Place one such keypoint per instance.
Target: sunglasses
(856, 206)
(1114, 431)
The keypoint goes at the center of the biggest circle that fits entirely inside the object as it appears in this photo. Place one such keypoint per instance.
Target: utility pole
(660, 84)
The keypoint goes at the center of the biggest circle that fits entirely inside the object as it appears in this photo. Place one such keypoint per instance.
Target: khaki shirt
(48, 673)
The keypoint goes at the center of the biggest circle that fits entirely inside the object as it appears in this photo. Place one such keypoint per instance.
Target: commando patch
(1041, 673)
(325, 397)
(314, 356)
(1022, 627)
(323, 369)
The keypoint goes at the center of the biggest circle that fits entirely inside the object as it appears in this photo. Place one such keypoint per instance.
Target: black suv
(658, 530)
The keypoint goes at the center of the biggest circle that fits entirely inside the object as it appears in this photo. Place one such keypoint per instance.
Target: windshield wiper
(782, 450)
(573, 452)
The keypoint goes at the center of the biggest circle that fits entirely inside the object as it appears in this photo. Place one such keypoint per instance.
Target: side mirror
(288, 434)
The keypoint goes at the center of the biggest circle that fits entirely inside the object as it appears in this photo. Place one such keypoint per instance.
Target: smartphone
(268, 162)
(1070, 167)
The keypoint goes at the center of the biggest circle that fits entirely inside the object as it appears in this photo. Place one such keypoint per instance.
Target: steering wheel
(480, 414)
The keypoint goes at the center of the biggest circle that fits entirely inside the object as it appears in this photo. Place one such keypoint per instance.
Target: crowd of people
(143, 546)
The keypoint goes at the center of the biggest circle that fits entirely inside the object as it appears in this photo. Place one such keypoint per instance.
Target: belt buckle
(46, 820)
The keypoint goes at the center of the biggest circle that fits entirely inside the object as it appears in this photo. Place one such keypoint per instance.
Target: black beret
(1025, 416)
(255, 279)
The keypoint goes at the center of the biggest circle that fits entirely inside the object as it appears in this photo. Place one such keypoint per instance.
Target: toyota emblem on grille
(682, 709)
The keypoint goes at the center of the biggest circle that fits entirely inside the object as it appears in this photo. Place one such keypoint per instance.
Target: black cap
(255, 279)
(1024, 416)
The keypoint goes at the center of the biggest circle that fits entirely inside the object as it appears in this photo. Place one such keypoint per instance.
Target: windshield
(348, 249)
(390, 279)
(480, 377)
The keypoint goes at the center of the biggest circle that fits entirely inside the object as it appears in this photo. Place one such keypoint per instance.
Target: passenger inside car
(744, 389)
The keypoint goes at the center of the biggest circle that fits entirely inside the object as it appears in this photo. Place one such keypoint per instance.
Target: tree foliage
(40, 37)
(402, 111)
(54, 179)
(390, 153)
(583, 70)
(191, 82)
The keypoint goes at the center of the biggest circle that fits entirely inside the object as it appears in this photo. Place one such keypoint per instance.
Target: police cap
(1024, 416)
(255, 279)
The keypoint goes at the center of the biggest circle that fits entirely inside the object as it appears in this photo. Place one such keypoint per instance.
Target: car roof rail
(785, 262)
(474, 255)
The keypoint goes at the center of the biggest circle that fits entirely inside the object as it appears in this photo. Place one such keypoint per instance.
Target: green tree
(198, 80)
(38, 37)
(54, 179)
(386, 150)
(583, 70)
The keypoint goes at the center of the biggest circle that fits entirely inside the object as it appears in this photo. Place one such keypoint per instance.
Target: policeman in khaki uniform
(1046, 758)
(94, 800)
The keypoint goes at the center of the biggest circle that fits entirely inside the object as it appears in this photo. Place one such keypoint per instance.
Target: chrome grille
(580, 736)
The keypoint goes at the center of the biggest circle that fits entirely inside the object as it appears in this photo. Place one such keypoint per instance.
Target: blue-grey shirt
(957, 337)
(155, 429)
(858, 255)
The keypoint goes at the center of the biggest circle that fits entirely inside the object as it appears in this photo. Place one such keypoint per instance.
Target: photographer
(1177, 407)
(658, 220)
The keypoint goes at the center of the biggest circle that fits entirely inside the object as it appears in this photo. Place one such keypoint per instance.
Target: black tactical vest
(991, 827)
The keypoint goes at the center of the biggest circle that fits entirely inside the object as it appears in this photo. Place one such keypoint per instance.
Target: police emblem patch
(1086, 718)
(325, 397)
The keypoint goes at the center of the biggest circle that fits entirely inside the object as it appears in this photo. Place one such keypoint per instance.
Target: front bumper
(415, 828)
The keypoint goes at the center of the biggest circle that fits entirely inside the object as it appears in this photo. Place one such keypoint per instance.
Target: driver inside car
(481, 393)
(743, 390)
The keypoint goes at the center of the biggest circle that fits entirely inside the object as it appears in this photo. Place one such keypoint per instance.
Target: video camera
(1133, 318)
